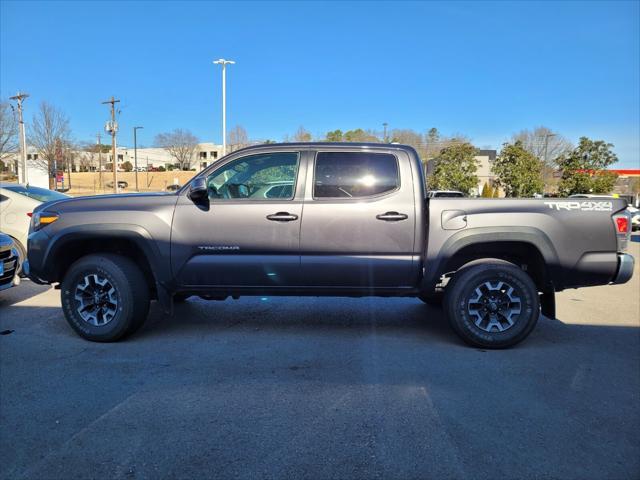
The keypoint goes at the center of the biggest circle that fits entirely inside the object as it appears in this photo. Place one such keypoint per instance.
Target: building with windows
(155, 157)
(147, 158)
(485, 160)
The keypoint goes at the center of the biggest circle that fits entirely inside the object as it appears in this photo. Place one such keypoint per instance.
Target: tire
(492, 305)
(433, 299)
(121, 288)
(22, 255)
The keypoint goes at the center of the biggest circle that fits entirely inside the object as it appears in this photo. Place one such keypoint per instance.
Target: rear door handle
(392, 216)
(282, 217)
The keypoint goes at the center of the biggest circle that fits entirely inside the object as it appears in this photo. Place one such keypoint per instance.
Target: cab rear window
(354, 174)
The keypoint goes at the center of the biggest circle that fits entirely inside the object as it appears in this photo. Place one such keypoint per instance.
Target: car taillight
(30, 214)
(622, 224)
(623, 232)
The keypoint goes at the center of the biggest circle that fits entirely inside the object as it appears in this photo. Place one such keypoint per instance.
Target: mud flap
(548, 303)
(164, 299)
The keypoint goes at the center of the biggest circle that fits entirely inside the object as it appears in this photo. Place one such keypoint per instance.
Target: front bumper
(35, 267)
(9, 277)
(625, 268)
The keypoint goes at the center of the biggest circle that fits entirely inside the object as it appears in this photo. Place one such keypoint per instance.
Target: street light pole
(23, 138)
(385, 131)
(224, 63)
(135, 154)
(546, 164)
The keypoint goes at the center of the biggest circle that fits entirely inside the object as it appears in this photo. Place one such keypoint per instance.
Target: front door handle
(282, 217)
(392, 216)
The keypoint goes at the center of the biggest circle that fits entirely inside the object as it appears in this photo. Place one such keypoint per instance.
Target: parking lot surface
(320, 388)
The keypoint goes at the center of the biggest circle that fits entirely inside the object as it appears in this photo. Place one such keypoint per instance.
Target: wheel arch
(131, 241)
(528, 248)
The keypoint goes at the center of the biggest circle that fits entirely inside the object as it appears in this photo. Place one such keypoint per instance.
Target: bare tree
(543, 143)
(51, 136)
(237, 138)
(86, 161)
(406, 136)
(546, 145)
(87, 156)
(180, 144)
(8, 132)
(302, 135)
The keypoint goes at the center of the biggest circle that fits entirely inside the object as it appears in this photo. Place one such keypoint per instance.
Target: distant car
(173, 187)
(445, 194)
(635, 217)
(17, 201)
(9, 262)
(600, 196)
(121, 184)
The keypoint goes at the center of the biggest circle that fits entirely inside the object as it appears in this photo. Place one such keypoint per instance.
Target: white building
(485, 160)
(154, 157)
(205, 154)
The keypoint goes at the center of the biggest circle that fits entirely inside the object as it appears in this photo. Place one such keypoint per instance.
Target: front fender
(45, 248)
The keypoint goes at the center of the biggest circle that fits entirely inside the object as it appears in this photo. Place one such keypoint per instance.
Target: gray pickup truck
(324, 219)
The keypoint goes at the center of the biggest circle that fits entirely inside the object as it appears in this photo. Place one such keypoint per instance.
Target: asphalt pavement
(320, 388)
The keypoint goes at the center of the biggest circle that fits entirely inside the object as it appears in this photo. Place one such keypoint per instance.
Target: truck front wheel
(492, 305)
(104, 297)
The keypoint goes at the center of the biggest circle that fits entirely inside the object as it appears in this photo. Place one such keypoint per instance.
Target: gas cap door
(454, 219)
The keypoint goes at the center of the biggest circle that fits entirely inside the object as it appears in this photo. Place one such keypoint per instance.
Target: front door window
(257, 177)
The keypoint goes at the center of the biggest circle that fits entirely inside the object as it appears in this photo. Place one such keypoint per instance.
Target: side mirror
(198, 189)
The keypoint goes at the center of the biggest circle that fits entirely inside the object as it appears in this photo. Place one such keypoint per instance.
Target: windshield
(37, 193)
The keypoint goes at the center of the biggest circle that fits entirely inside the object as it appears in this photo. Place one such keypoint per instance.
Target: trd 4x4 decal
(587, 206)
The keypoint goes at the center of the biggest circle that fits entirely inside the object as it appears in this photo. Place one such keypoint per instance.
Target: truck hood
(124, 201)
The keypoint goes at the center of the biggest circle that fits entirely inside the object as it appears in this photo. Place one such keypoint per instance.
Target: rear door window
(354, 174)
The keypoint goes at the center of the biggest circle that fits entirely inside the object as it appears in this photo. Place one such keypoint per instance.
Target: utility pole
(385, 131)
(135, 154)
(99, 140)
(224, 63)
(112, 128)
(23, 138)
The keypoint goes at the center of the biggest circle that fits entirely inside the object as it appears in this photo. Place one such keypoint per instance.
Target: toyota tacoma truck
(324, 219)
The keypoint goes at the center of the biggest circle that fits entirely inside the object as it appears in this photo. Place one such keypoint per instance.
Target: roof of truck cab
(363, 145)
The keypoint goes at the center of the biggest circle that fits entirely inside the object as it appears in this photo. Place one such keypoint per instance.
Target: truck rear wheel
(492, 305)
(104, 297)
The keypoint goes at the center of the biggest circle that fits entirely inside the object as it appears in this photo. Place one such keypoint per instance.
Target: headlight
(42, 219)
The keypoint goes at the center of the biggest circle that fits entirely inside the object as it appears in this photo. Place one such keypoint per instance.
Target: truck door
(359, 221)
(248, 233)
